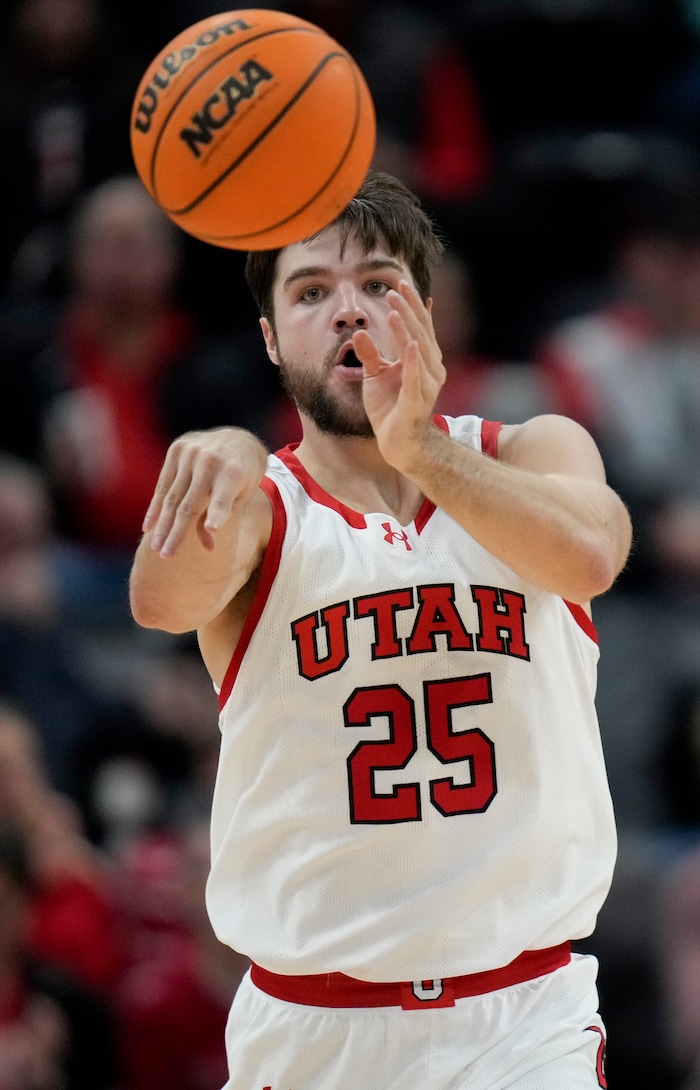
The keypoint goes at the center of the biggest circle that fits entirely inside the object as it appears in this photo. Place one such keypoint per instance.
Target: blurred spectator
(680, 924)
(119, 333)
(510, 391)
(29, 585)
(24, 329)
(534, 60)
(71, 915)
(676, 100)
(54, 1035)
(566, 88)
(154, 762)
(126, 725)
(430, 130)
(175, 1003)
(148, 869)
(67, 79)
(41, 666)
(127, 369)
(636, 361)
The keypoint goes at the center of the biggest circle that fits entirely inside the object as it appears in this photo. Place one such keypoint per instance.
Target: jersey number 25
(403, 803)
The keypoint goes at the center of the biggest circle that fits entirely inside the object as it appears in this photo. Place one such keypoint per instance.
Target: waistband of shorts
(338, 990)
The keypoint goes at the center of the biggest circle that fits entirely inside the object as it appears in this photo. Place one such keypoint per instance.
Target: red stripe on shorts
(338, 990)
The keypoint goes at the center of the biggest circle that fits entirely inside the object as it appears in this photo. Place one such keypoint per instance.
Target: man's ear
(429, 304)
(270, 341)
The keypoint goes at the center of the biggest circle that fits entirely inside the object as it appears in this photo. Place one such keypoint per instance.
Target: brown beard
(310, 394)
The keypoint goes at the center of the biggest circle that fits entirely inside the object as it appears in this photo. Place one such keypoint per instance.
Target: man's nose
(350, 311)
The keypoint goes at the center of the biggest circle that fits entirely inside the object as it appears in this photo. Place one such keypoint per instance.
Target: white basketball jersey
(411, 783)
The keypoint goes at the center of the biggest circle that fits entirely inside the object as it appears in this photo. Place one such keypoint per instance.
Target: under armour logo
(396, 535)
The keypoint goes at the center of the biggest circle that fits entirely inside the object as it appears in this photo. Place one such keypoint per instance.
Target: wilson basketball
(252, 129)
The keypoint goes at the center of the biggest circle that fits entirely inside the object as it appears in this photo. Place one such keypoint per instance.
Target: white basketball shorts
(541, 1034)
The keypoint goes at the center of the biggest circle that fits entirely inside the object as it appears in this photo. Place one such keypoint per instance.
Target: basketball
(252, 129)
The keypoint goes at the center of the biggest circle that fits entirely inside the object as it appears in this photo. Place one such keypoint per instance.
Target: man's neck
(353, 471)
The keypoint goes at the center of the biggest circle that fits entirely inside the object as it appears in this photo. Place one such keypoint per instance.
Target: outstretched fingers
(162, 489)
(193, 489)
(181, 504)
(229, 484)
(417, 323)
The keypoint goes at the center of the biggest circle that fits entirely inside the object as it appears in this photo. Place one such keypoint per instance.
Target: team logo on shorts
(422, 994)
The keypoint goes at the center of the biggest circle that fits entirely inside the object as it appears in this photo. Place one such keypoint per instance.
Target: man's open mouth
(350, 359)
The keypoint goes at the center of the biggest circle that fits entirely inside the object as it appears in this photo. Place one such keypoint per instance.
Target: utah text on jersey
(501, 631)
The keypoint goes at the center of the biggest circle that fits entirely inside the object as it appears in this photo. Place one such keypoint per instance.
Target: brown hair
(384, 210)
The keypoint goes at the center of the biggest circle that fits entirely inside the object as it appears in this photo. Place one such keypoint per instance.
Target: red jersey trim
(489, 445)
(423, 517)
(314, 490)
(354, 518)
(338, 990)
(270, 567)
(582, 619)
(490, 430)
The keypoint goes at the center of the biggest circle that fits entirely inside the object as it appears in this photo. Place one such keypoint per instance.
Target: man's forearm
(568, 535)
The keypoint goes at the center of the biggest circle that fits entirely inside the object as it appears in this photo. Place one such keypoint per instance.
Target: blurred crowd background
(557, 145)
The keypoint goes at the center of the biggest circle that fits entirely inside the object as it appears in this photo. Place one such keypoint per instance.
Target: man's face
(320, 299)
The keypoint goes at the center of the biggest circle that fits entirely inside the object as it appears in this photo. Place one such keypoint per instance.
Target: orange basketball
(252, 129)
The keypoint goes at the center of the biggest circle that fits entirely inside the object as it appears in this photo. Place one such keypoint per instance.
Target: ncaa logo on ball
(220, 107)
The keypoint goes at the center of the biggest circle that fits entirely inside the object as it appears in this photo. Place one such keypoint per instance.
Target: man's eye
(377, 287)
(310, 295)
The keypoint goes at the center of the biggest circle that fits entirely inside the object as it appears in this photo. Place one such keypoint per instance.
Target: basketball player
(411, 819)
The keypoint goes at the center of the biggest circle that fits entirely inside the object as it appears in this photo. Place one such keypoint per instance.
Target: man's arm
(543, 508)
(205, 531)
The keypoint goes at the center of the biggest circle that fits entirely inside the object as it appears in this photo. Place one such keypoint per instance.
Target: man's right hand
(204, 476)
(205, 533)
